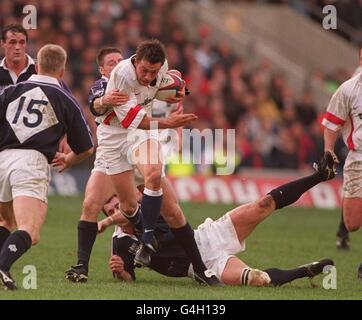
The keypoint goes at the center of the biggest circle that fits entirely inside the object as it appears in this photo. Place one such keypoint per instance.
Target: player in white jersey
(140, 77)
(343, 239)
(127, 147)
(344, 115)
(218, 240)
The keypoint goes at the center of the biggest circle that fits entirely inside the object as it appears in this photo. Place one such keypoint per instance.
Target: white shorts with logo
(217, 242)
(115, 148)
(352, 175)
(23, 173)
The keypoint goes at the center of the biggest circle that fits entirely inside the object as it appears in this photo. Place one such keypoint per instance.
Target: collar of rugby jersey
(45, 79)
(13, 76)
(104, 78)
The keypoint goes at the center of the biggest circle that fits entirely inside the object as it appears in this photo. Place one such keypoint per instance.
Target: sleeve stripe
(109, 117)
(130, 116)
(334, 119)
(350, 137)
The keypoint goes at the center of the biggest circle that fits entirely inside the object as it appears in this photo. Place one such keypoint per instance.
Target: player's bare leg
(98, 191)
(30, 215)
(352, 214)
(343, 239)
(245, 218)
(147, 157)
(7, 221)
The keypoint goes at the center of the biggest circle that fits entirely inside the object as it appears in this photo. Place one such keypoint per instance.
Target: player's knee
(129, 208)
(91, 208)
(153, 178)
(174, 216)
(352, 225)
(264, 206)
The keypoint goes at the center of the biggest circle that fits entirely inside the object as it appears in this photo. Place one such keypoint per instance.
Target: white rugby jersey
(129, 115)
(344, 112)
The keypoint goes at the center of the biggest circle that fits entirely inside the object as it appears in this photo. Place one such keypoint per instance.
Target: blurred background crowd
(275, 128)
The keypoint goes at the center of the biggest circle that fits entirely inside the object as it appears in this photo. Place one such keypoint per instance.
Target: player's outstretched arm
(330, 138)
(174, 120)
(64, 161)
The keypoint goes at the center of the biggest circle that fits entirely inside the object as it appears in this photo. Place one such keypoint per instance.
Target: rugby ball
(170, 86)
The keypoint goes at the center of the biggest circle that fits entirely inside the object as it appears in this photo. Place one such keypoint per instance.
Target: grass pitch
(290, 237)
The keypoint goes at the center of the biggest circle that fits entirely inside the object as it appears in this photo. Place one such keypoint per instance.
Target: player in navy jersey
(34, 116)
(218, 241)
(16, 66)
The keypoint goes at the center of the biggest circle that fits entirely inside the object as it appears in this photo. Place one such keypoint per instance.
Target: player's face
(14, 46)
(109, 62)
(146, 72)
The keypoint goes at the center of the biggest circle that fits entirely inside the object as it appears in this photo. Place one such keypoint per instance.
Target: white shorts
(23, 173)
(116, 146)
(352, 175)
(217, 242)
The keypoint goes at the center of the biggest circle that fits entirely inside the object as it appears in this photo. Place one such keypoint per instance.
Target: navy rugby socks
(87, 233)
(290, 192)
(279, 277)
(14, 247)
(4, 234)
(151, 207)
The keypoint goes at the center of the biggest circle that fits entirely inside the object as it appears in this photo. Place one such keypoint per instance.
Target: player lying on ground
(218, 241)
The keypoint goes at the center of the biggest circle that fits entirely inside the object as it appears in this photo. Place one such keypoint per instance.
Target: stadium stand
(275, 126)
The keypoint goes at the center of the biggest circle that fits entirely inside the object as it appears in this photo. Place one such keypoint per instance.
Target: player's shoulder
(124, 68)
(349, 86)
(99, 84)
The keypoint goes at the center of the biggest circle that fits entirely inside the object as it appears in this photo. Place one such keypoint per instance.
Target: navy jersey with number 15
(36, 114)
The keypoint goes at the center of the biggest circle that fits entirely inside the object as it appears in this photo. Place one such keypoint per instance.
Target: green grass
(287, 239)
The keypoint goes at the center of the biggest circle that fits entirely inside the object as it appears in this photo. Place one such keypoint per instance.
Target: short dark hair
(151, 50)
(104, 51)
(15, 28)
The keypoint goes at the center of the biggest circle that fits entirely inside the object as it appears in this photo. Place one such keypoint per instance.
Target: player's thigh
(147, 152)
(352, 213)
(124, 185)
(7, 218)
(245, 218)
(30, 215)
(147, 158)
(98, 191)
(232, 271)
(171, 209)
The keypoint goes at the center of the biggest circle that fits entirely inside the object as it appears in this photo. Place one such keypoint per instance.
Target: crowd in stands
(274, 127)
